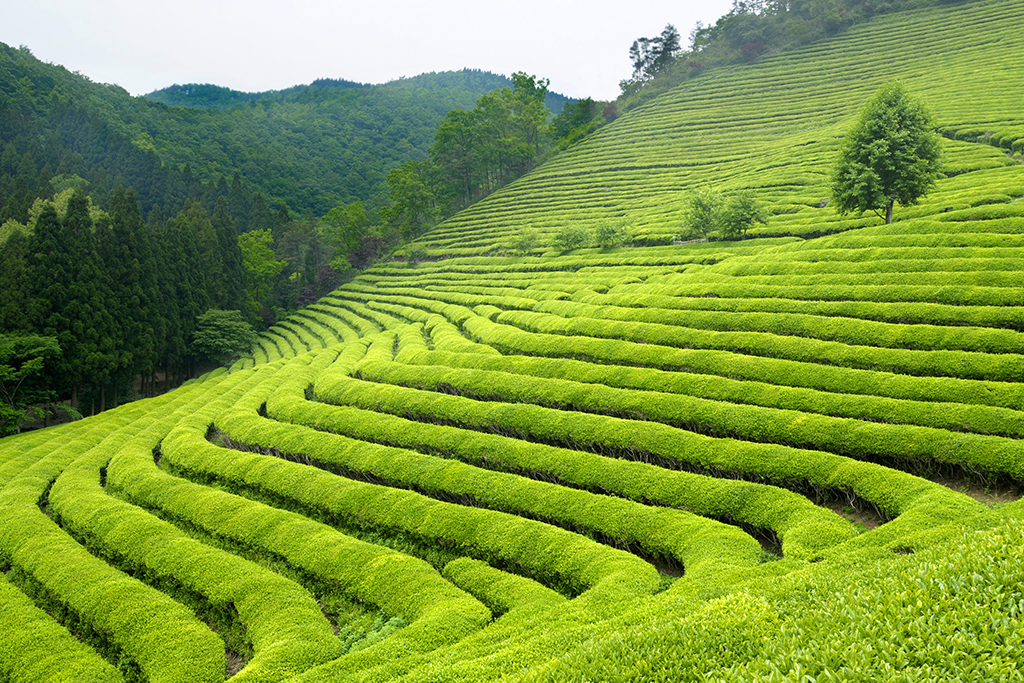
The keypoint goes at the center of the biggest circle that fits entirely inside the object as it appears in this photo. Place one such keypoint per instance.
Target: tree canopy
(891, 155)
(23, 359)
(221, 335)
(651, 55)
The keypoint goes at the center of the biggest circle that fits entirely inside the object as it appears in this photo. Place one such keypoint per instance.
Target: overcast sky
(256, 45)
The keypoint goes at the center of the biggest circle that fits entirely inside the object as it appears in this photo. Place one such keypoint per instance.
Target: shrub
(571, 236)
(611, 234)
(524, 241)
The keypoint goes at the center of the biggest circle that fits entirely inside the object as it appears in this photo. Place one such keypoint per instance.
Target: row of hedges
(784, 372)
(804, 529)
(793, 289)
(1003, 367)
(957, 417)
(120, 615)
(893, 492)
(437, 613)
(362, 326)
(929, 402)
(843, 330)
(640, 481)
(500, 591)
(357, 309)
(962, 405)
(549, 553)
(911, 447)
(330, 323)
(36, 649)
(660, 532)
(511, 339)
(280, 621)
(910, 313)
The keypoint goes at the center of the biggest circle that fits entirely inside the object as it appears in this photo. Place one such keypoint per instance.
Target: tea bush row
(160, 636)
(845, 331)
(956, 417)
(910, 447)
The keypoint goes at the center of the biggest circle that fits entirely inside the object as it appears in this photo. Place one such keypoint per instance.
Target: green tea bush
(35, 649)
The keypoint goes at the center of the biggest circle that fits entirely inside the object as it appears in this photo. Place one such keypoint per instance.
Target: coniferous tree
(240, 204)
(92, 336)
(50, 276)
(233, 294)
(189, 278)
(150, 259)
(260, 216)
(15, 301)
(121, 259)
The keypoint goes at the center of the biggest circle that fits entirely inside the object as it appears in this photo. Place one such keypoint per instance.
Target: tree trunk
(888, 212)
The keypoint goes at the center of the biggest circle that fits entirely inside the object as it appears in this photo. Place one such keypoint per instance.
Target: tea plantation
(794, 457)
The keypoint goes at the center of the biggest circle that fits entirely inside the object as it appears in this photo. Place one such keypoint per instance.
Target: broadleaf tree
(703, 212)
(222, 335)
(891, 155)
(23, 359)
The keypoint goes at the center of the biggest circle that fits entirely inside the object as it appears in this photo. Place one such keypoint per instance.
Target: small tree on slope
(890, 155)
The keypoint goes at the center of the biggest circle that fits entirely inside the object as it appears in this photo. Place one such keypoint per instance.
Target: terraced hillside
(796, 457)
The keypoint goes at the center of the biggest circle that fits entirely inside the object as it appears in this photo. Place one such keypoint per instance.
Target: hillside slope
(796, 457)
(313, 147)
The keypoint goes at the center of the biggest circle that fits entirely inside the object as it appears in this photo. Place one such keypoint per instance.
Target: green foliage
(344, 226)
(890, 155)
(36, 648)
(750, 31)
(575, 121)
(330, 143)
(741, 212)
(260, 263)
(650, 56)
(220, 335)
(720, 461)
(23, 360)
(704, 211)
(476, 152)
(524, 241)
(571, 236)
(609, 233)
(415, 253)
(412, 202)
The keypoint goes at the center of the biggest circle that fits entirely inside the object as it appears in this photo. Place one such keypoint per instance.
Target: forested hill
(209, 96)
(311, 147)
(321, 145)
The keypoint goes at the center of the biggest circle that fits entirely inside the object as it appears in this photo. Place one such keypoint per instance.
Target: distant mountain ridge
(310, 147)
(211, 96)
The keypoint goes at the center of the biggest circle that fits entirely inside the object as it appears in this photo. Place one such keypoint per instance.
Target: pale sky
(255, 45)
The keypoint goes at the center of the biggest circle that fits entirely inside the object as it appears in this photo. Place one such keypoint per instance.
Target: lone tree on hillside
(890, 155)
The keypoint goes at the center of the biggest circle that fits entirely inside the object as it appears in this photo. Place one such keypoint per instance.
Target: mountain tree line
(119, 296)
(477, 151)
